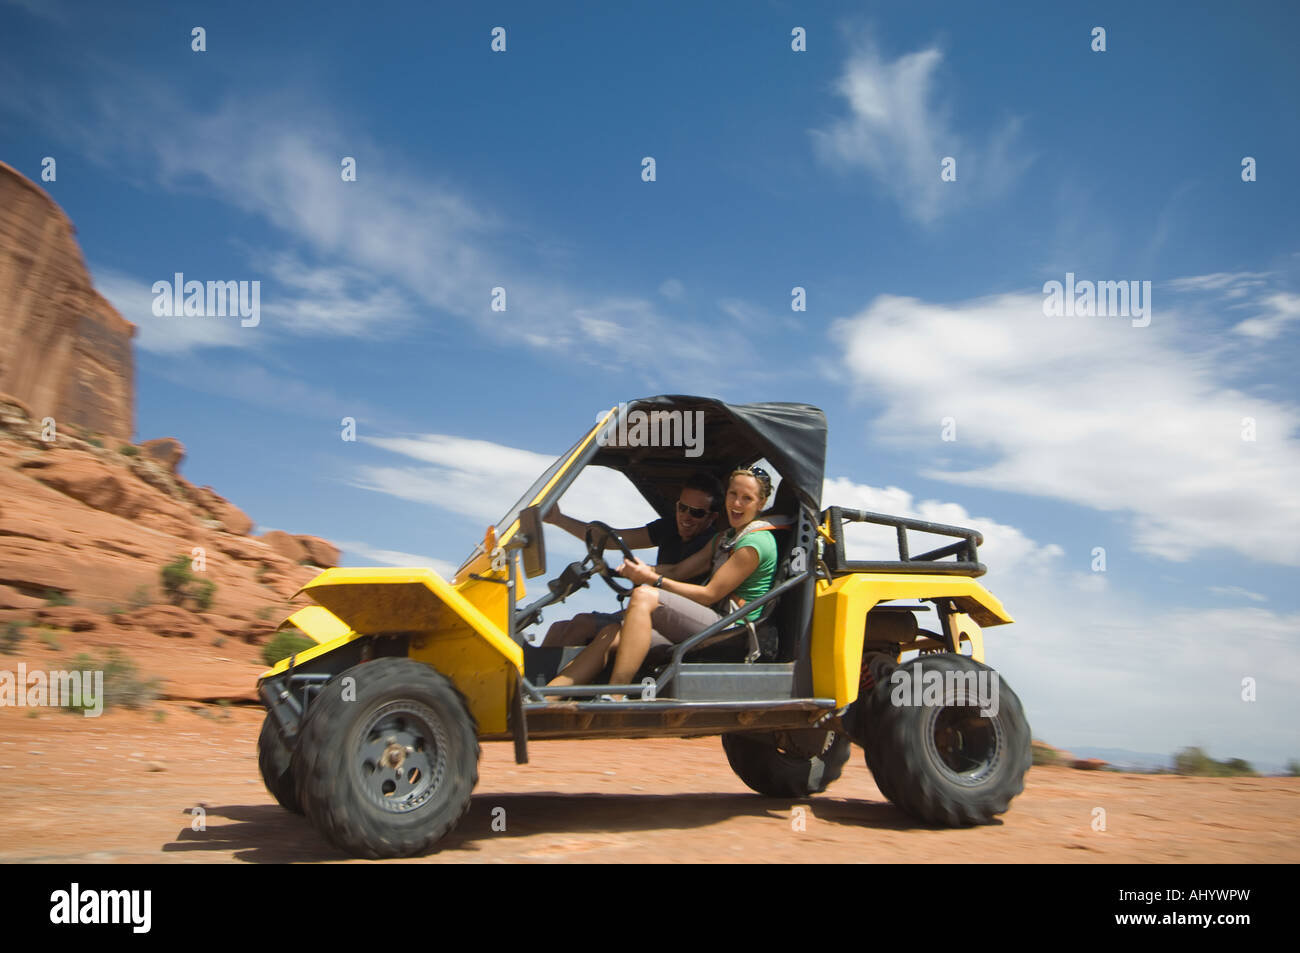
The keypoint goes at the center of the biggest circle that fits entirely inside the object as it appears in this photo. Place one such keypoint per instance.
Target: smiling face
(688, 524)
(744, 500)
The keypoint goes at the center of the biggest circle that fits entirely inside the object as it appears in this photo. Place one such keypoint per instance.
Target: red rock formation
(64, 351)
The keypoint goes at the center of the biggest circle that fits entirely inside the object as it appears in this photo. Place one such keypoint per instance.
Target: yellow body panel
(447, 630)
(317, 623)
(840, 613)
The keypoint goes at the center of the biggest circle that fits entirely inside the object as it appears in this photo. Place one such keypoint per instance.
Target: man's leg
(590, 660)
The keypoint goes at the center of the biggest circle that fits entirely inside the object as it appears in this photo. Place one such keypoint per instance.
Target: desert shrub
(11, 637)
(1194, 762)
(1043, 755)
(123, 685)
(180, 584)
(140, 598)
(284, 644)
(57, 597)
(1293, 768)
(128, 451)
(204, 589)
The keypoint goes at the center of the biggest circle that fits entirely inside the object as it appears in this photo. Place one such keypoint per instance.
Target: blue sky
(774, 169)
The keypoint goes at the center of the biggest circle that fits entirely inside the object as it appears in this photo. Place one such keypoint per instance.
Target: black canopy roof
(792, 437)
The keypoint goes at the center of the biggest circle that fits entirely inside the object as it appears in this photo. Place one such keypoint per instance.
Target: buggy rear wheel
(939, 755)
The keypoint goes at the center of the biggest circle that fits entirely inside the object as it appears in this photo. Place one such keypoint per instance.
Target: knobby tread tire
(903, 763)
(759, 762)
(327, 785)
(275, 761)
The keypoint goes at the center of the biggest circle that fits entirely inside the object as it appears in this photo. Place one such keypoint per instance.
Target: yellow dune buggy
(374, 732)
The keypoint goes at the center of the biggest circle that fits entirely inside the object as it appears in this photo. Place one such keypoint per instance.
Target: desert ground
(123, 788)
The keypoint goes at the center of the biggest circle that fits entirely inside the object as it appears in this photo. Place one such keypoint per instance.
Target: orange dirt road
(121, 789)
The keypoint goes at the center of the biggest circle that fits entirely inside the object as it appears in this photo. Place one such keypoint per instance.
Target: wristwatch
(659, 583)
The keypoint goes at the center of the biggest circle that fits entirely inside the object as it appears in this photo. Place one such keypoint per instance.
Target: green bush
(204, 589)
(1194, 762)
(57, 597)
(180, 584)
(1293, 768)
(140, 598)
(11, 637)
(128, 451)
(284, 644)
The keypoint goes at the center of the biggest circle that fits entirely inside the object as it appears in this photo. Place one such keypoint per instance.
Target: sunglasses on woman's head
(695, 511)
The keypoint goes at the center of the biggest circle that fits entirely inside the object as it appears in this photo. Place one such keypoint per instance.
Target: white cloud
(900, 128)
(672, 289)
(1005, 548)
(480, 480)
(1232, 284)
(1088, 410)
(170, 335)
(1280, 309)
(392, 557)
(1237, 592)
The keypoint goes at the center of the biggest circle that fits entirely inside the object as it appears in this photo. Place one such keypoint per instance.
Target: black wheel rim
(401, 759)
(966, 746)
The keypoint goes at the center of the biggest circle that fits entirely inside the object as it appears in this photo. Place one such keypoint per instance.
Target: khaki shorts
(677, 618)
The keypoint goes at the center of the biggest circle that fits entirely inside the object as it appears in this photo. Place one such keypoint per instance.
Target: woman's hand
(638, 572)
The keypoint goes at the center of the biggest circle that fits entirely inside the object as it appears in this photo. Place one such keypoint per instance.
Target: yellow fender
(447, 631)
(840, 614)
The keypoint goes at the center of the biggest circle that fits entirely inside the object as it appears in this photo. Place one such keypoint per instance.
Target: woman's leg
(588, 663)
(634, 640)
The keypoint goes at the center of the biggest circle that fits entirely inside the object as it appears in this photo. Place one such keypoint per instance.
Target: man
(697, 508)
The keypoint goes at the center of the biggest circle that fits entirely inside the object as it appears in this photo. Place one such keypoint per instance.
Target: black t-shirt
(672, 548)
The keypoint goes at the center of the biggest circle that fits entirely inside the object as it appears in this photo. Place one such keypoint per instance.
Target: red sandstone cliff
(64, 351)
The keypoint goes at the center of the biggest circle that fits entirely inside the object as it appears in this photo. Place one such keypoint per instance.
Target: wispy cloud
(1252, 291)
(173, 335)
(393, 557)
(899, 129)
(396, 249)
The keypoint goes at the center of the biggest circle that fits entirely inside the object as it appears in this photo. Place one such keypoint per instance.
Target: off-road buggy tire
(275, 761)
(391, 772)
(946, 764)
(788, 764)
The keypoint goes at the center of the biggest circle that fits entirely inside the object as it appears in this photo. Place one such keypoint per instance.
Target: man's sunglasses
(695, 511)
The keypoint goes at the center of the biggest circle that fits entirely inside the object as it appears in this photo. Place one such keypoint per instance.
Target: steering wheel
(596, 553)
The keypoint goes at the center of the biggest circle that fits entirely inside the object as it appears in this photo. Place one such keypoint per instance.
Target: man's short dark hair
(707, 483)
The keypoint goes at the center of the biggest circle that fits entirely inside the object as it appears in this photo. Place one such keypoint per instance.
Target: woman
(664, 610)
